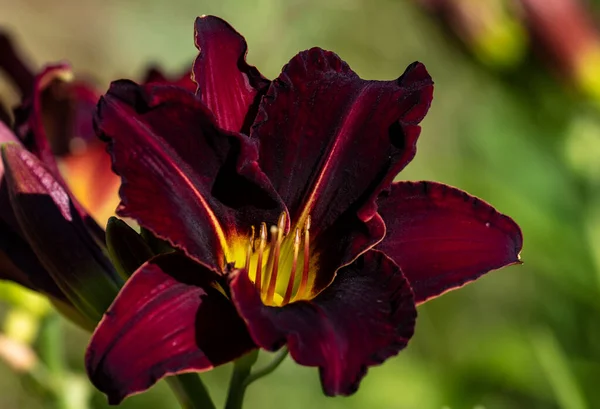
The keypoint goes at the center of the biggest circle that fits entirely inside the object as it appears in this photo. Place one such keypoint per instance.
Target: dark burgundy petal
(29, 118)
(443, 238)
(330, 140)
(68, 110)
(33, 123)
(57, 235)
(169, 318)
(226, 83)
(8, 247)
(182, 177)
(14, 66)
(18, 262)
(65, 108)
(364, 317)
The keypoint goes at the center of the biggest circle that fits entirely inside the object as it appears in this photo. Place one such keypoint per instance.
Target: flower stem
(242, 378)
(279, 358)
(190, 391)
(237, 388)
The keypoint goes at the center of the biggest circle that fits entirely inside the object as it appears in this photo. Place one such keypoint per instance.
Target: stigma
(278, 263)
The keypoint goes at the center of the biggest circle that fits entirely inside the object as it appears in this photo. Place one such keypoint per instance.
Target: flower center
(279, 265)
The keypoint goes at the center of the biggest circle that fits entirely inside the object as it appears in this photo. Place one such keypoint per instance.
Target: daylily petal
(364, 317)
(18, 262)
(330, 140)
(31, 129)
(29, 118)
(56, 233)
(443, 238)
(169, 153)
(65, 109)
(169, 318)
(226, 83)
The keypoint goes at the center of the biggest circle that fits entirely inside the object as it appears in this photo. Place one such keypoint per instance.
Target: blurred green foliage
(514, 135)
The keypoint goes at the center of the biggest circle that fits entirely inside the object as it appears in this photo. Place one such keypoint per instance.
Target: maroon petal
(18, 262)
(41, 114)
(169, 318)
(226, 83)
(29, 120)
(68, 109)
(443, 238)
(183, 178)
(366, 316)
(57, 235)
(330, 140)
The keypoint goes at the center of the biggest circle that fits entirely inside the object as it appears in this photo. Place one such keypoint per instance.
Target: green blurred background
(515, 120)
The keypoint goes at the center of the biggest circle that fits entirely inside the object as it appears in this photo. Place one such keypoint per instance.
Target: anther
(261, 249)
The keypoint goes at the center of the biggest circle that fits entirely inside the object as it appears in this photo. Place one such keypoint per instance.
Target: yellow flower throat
(279, 265)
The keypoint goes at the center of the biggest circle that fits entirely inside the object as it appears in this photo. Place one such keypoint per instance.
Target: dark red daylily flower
(48, 241)
(313, 155)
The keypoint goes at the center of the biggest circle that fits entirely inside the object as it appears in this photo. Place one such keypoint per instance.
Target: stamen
(261, 249)
(290, 287)
(277, 283)
(275, 251)
(269, 265)
(249, 250)
(304, 279)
